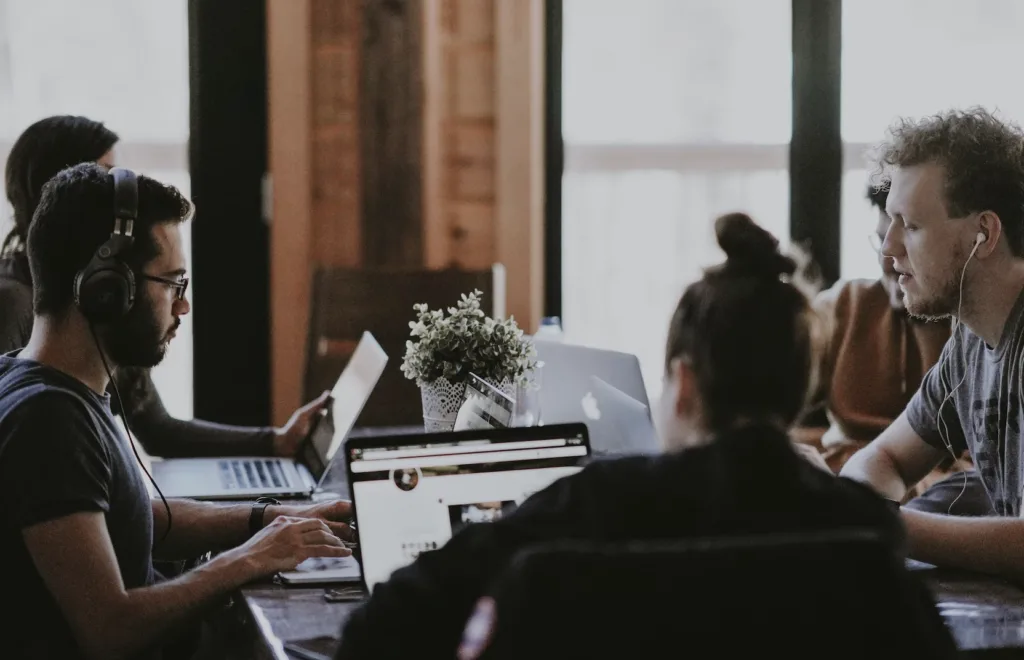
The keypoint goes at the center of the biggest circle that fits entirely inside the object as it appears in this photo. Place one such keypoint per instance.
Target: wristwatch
(256, 515)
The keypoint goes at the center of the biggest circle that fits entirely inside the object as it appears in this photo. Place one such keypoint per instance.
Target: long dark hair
(43, 149)
(748, 330)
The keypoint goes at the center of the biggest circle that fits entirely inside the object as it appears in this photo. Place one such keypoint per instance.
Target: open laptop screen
(413, 495)
(348, 397)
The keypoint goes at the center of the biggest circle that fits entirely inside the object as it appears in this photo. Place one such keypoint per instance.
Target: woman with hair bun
(738, 369)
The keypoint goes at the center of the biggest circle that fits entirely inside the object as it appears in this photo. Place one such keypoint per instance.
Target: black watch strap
(259, 507)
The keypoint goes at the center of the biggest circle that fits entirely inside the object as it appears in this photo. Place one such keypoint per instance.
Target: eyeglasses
(876, 242)
(180, 285)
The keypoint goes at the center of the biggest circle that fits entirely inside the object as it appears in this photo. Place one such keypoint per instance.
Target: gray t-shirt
(984, 412)
(61, 453)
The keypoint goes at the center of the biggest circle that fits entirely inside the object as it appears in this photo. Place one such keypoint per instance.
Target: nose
(892, 244)
(181, 307)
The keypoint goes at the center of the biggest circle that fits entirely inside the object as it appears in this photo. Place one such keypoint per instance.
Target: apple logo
(590, 408)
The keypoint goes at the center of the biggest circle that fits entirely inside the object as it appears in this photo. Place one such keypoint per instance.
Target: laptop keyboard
(251, 474)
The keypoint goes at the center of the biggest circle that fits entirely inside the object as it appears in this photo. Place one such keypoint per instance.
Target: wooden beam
(337, 212)
(390, 133)
(436, 253)
(290, 147)
(459, 139)
(519, 76)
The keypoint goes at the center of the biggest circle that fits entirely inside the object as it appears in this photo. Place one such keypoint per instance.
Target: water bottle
(550, 329)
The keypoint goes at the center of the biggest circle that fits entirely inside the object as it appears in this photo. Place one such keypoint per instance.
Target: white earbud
(940, 423)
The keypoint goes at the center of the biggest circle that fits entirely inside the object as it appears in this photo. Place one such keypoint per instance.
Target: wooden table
(985, 615)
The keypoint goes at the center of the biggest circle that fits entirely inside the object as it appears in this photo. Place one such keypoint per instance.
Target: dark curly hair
(75, 216)
(878, 195)
(983, 159)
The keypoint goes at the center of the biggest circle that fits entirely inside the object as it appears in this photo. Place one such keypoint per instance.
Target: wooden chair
(346, 302)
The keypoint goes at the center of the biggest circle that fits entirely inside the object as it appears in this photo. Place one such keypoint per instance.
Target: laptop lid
(566, 392)
(348, 397)
(621, 425)
(411, 493)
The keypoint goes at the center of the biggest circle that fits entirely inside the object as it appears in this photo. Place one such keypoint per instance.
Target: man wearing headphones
(956, 237)
(78, 529)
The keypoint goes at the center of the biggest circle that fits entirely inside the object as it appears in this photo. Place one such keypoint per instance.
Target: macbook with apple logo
(601, 388)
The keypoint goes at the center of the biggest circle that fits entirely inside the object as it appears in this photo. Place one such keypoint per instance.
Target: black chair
(829, 595)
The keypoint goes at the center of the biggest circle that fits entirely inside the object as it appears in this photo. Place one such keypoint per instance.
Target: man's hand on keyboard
(287, 542)
(336, 514)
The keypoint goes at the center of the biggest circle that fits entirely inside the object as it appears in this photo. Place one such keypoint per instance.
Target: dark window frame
(815, 149)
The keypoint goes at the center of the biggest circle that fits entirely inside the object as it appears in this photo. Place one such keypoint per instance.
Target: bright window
(121, 62)
(674, 111)
(915, 58)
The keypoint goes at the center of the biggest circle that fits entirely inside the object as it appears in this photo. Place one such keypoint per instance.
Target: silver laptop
(412, 493)
(595, 386)
(619, 424)
(248, 477)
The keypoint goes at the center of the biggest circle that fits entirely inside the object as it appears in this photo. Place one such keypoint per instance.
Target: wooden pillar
(336, 162)
(403, 134)
(519, 208)
(290, 164)
(484, 142)
(313, 61)
(390, 129)
(459, 120)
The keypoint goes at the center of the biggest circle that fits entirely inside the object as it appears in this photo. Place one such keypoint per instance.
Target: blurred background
(586, 145)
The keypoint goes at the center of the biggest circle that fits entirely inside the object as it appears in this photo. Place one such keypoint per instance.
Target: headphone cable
(131, 440)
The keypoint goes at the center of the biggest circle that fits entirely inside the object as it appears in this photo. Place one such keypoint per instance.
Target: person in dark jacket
(739, 366)
(43, 149)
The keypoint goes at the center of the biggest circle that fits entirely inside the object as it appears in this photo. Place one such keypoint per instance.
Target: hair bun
(750, 249)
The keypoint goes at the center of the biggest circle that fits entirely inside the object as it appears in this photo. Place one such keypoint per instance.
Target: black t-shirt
(748, 481)
(61, 453)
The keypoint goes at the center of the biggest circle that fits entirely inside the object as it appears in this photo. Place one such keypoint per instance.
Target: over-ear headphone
(105, 288)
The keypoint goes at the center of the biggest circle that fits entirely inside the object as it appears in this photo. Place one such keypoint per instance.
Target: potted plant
(444, 350)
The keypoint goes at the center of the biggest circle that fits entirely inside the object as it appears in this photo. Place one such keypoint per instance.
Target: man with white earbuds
(956, 236)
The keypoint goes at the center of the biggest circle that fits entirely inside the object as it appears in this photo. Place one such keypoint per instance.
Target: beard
(138, 339)
(944, 303)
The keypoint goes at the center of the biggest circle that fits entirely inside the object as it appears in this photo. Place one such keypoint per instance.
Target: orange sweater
(874, 363)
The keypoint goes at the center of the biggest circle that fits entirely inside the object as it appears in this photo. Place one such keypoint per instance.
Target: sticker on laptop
(484, 406)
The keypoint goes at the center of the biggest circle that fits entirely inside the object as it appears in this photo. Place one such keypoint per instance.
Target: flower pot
(442, 400)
